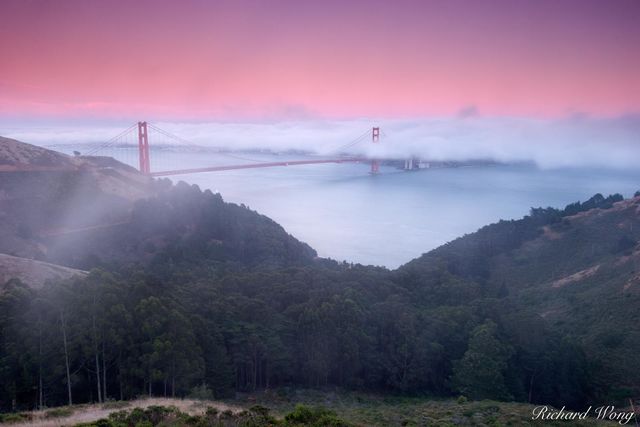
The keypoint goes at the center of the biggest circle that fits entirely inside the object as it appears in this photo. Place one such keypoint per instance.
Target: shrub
(18, 417)
(316, 417)
(212, 412)
(152, 416)
(156, 414)
(115, 404)
(263, 411)
(58, 412)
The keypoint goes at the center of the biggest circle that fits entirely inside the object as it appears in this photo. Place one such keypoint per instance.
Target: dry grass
(576, 277)
(33, 273)
(89, 413)
(550, 234)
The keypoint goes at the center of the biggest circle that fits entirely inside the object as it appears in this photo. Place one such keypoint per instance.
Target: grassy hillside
(36, 273)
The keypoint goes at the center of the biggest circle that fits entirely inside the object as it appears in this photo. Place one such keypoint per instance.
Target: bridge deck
(257, 165)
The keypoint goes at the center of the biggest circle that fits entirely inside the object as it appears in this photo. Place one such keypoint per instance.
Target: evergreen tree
(480, 374)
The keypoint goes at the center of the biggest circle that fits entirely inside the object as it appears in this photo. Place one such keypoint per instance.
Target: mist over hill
(82, 211)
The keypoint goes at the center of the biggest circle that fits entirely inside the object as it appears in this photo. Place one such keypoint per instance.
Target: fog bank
(575, 141)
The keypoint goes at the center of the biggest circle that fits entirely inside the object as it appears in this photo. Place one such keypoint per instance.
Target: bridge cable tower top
(375, 138)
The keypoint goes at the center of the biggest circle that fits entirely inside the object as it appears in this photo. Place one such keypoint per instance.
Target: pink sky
(236, 59)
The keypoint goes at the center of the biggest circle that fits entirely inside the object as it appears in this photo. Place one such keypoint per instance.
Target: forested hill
(195, 295)
(182, 225)
(471, 255)
(574, 270)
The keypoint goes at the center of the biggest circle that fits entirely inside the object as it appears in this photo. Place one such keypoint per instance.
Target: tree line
(118, 336)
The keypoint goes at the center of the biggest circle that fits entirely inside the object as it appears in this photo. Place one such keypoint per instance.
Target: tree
(14, 300)
(170, 352)
(480, 372)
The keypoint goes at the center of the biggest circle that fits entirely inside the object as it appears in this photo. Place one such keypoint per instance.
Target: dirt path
(89, 413)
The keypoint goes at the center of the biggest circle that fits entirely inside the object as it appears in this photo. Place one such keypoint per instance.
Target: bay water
(347, 214)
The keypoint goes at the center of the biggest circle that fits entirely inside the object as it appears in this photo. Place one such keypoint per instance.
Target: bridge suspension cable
(137, 136)
(354, 142)
(183, 142)
(111, 141)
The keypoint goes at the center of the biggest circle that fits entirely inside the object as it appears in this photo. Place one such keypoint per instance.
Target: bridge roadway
(257, 165)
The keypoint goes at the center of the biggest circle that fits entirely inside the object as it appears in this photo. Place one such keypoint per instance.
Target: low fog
(576, 141)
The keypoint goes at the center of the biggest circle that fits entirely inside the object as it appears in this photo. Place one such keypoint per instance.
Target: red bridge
(138, 134)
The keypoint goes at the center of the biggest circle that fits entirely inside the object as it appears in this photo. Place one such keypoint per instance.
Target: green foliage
(314, 417)
(151, 416)
(198, 227)
(351, 408)
(256, 416)
(58, 412)
(18, 417)
(480, 374)
(597, 201)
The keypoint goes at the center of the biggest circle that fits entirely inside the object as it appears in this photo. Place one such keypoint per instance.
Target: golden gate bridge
(137, 138)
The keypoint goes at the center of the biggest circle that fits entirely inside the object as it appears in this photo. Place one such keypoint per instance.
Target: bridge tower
(143, 148)
(375, 138)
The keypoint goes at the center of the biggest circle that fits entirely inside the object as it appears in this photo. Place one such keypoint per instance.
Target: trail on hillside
(91, 413)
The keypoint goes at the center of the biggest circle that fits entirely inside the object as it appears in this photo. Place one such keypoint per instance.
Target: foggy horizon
(578, 140)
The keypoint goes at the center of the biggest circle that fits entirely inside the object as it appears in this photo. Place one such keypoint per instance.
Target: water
(346, 214)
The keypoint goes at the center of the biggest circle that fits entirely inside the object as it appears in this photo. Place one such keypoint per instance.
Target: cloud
(575, 141)
(469, 111)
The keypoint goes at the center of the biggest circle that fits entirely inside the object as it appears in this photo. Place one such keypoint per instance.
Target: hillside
(33, 273)
(43, 192)
(84, 212)
(576, 270)
(18, 156)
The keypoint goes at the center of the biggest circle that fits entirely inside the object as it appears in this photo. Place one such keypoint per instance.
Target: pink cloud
(198, 59)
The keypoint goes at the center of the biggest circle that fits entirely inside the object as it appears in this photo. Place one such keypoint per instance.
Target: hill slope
(18, 156)
(34, 273)
(86, 211)
(579, 272)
